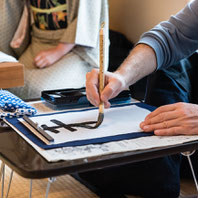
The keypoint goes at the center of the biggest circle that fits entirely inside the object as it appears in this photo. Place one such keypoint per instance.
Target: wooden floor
(67, 187)
(188, 189)
(64, 187)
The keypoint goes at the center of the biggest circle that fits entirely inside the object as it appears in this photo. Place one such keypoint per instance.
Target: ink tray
(76, 98)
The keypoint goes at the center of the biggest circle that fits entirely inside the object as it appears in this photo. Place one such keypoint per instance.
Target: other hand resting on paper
(173, 119)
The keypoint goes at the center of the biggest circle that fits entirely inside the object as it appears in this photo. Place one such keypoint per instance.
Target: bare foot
(50, 56)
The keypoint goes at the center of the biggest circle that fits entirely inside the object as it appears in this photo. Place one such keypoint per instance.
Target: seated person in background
(164, 45)
(64, 43)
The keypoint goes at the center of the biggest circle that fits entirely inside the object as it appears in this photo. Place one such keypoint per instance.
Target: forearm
(140, 62)
(64, 48)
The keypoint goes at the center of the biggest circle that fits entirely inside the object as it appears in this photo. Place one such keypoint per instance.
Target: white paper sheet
(6, 58)
(117, 121)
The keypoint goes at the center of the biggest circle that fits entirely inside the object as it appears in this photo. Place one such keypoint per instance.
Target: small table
(23, 159)
(27, 162)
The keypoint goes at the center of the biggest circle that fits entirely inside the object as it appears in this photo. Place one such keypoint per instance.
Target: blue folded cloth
(12, 106)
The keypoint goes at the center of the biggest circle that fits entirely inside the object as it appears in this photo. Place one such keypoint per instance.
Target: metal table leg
(10, 181)
(2, 176)
(30, 193)
(50, 180)
(188, 154)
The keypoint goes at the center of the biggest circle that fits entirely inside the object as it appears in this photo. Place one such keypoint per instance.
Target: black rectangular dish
(72, 98)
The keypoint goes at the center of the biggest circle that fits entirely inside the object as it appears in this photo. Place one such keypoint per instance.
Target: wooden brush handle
(101, 72)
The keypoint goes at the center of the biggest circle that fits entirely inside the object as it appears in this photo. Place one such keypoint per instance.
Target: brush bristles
(100, 119)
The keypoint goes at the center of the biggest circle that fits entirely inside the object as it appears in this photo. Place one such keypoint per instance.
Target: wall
(133, 17)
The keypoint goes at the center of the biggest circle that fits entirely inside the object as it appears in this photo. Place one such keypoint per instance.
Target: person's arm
(140, 62)
(48, 57)
(162, 46)
(83, 28)
(176, 38)
(67, 42)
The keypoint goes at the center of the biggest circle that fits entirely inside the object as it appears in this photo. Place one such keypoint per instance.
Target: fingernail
(157, 132)
(142, 124)
(145, 127)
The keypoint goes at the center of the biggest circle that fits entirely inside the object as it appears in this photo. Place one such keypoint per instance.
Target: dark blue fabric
(170, 85)
(177, 83)
(15, 122)
(157, 178)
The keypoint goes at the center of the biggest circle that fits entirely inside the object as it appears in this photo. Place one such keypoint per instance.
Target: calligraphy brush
(101, 77)
(101, 86)
(89, 124)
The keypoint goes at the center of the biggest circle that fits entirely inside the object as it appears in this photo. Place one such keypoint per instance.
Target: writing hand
(173, 119)
(114, 84)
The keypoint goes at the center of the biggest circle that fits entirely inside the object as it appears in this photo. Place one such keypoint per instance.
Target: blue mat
(16, 123)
